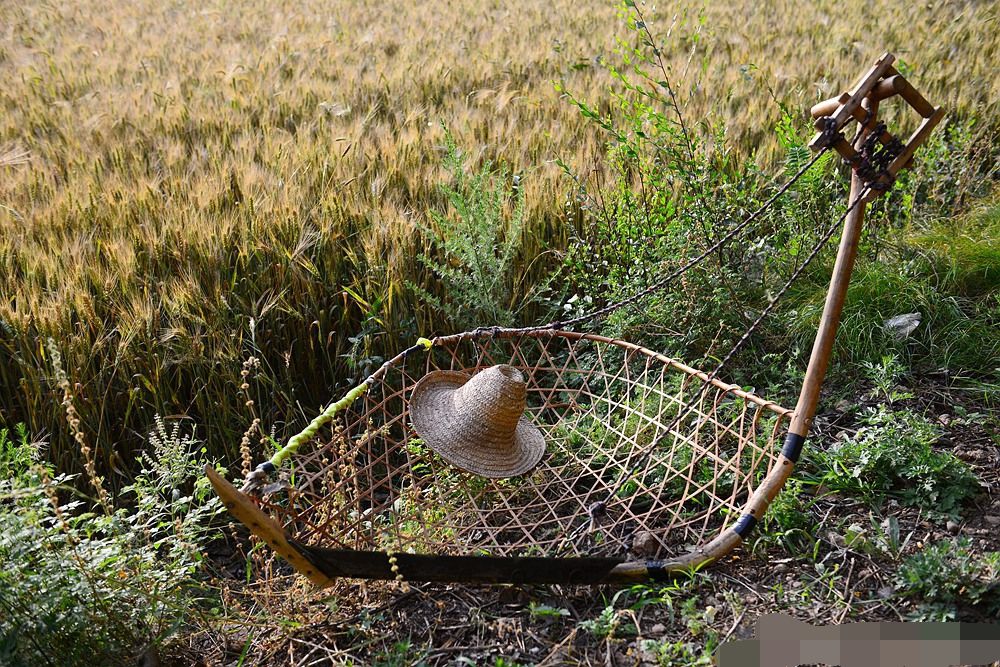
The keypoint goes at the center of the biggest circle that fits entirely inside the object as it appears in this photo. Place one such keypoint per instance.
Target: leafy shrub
(82, 587)
(476, 249)
(952, 572)
(671, 189)
(891, 456)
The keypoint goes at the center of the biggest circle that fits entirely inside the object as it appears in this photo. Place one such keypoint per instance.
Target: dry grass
(185, 184)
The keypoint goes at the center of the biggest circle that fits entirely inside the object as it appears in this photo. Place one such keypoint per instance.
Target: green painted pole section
(316, 424)
(324, 417)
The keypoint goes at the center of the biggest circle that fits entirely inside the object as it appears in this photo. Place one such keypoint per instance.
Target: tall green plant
(474, 249)
(669, 190)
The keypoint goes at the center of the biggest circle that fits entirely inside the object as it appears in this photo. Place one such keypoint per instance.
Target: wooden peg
(861, 90)
(828, 107)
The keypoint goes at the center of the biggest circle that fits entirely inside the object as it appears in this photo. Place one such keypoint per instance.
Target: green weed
(17, 455)
(475, 250)
(892, 456)
(701, 641)
(544, 611)
(885, 376)
(878, 538)
(400, 654)
(83, 587)
(789, 522)
(949, 573)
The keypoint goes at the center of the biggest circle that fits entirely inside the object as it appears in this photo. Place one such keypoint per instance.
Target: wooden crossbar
(882, 81)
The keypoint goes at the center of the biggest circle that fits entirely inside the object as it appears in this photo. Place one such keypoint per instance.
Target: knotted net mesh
(613, 466)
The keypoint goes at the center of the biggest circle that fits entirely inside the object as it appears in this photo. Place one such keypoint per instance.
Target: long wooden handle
(819, 360)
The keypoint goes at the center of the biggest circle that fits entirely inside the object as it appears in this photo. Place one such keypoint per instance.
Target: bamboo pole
(819, 360)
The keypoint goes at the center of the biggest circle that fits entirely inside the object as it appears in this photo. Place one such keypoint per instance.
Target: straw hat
(477, 423)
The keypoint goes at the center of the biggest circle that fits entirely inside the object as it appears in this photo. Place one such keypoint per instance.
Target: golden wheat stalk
(13, 155)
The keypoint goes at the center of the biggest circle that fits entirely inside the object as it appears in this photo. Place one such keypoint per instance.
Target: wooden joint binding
(860, 103)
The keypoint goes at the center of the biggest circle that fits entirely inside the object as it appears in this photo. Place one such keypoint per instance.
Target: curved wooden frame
(323, 566)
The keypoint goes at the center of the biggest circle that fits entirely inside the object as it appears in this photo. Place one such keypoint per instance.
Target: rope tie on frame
(829, 135)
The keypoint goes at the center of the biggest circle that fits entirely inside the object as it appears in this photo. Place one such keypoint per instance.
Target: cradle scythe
(636, 444)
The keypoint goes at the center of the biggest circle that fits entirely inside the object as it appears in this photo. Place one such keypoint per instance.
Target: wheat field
(185, 185)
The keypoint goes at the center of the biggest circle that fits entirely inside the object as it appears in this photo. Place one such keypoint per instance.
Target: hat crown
(477, 423)
(492, 402)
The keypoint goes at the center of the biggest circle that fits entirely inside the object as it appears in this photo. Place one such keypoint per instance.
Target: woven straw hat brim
(435, 419)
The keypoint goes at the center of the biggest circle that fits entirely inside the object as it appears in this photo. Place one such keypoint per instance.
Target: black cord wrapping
(829, 134)
(875, 158)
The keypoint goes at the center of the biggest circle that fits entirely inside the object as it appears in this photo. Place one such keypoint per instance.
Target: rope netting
(600, 403)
